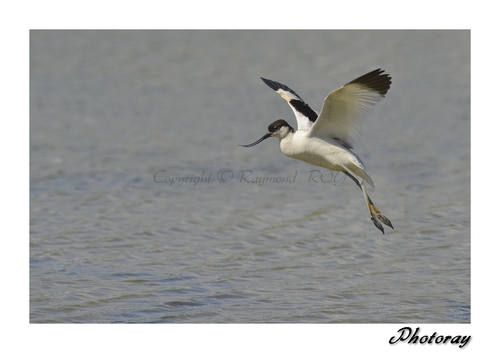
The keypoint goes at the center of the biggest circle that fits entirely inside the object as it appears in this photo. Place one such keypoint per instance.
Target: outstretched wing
(303, 113)
(345, 109)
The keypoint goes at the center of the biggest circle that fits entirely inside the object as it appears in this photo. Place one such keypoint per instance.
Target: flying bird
(326, 140)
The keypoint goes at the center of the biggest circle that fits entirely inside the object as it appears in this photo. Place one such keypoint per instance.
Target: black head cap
(278, 124)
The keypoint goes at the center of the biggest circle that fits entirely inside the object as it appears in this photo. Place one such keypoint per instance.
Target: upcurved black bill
(258, 141)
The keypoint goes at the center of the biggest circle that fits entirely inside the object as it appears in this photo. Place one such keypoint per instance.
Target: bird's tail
(361, 173)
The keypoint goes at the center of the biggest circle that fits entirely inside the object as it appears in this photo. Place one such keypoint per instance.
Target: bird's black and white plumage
(326, 139)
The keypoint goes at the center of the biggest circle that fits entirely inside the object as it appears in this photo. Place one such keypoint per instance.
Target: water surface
(142, 205)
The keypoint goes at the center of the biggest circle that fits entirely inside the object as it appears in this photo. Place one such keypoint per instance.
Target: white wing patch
(303, 121)
(286, 95)
(345, 109)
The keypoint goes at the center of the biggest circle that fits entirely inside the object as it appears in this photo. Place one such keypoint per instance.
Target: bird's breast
(315, 151)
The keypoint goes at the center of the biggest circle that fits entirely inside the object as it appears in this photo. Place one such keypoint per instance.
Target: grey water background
(144, 209)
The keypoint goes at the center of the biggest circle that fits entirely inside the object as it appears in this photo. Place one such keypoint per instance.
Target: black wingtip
(276, 86)
(375, 80)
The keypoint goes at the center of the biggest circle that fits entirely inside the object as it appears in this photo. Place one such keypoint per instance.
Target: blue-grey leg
(372, 210)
